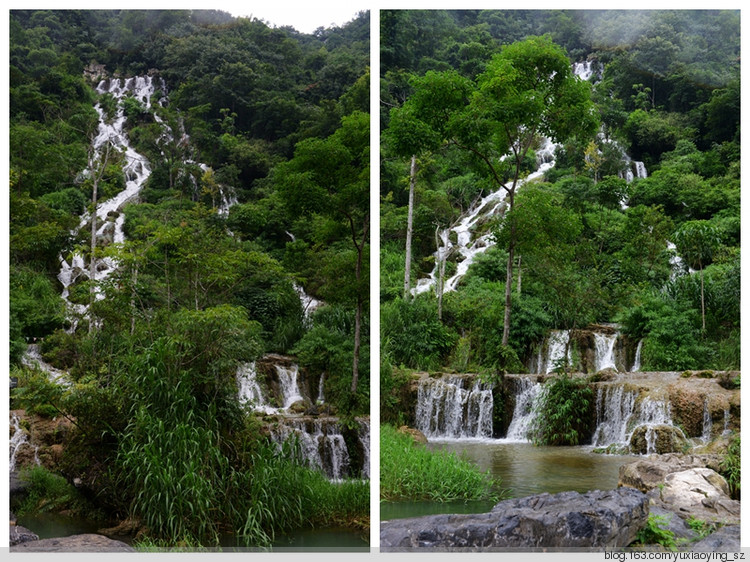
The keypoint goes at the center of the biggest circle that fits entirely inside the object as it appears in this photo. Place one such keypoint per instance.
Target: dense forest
(471, 99)
(257, 141)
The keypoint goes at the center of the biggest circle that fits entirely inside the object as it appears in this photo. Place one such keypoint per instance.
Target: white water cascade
(556, 352)
(467, 246)
(637, 362)
(33, 359)
(18, 440)
(619, 412)
(446, 409)
(320, 441)
(706, 435)
(111, 136)
(523, 414)
(289, 386)
(605, 351)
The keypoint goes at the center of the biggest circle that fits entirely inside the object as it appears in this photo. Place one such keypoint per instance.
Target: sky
(304, 16)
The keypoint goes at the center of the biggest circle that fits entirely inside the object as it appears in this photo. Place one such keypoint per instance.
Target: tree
(527, 91)
(329, 179)
(697, 241)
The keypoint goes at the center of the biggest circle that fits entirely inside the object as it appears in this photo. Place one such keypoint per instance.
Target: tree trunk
(409, 228)
(518, 285)
(509, 272)
(439, 284)
(358, 312)
(703, 302)
(357, 337)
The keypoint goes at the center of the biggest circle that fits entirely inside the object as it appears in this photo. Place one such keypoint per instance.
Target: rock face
(698, 492)
(726, 539)
(567, 519)
(646, 474)
(76, 543)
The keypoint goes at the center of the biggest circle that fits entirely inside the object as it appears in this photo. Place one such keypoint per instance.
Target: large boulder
(726, 539)
(658, 439)
(648, 473)
(19, 535)
(700, 493)
(564, 520)
(75, 543)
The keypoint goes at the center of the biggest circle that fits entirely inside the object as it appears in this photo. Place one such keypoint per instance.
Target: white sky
(305, 16)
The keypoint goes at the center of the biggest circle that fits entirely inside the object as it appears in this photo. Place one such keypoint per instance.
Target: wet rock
(700, 493)
(20, 535)
(75, 543)
(726, 539)
(658, 439)
(567, 519)
(415, 434)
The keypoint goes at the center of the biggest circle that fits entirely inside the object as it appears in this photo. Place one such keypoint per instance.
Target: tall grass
(408, 471)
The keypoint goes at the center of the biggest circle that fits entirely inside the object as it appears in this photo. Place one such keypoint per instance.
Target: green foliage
(730, 467)
(47, 492)
(408, 471)
(564, 412)
(412, 334)
(655, 533)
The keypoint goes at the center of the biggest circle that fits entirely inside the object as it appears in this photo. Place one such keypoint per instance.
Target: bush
(564, 412)
(408, 471)
(653, 533)
(730, 467)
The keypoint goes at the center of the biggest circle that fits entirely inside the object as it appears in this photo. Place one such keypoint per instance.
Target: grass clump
(408, 471)
(49, 492)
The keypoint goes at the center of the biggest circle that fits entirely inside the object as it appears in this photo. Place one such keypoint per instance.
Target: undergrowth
(408, 471)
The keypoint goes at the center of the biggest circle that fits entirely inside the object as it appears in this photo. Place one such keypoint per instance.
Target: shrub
(654, 533)
(564, 412)
(730, 467)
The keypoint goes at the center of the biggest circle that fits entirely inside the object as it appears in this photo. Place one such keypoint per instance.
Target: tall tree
(527, 91)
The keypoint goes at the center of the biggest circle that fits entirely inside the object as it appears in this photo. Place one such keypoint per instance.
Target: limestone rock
(567, 519)
(19, 535)
(698, 492)
(75, 543)
(726, 539)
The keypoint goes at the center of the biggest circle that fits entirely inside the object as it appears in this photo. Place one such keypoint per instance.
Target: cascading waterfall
(18, 440)
(321, 383)
(320, 442)
(250, 391)
(637, 362)
(290, 390)
(136, 171)
(33, 359)
(557, 348)
(527, 392)
(448, 410)
(619, 413)
(467, 247)
(605, 351)
(706, 435)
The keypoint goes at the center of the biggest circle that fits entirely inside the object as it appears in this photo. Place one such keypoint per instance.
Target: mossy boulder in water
(657, 439)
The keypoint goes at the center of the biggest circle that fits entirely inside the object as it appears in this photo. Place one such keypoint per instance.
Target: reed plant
(408, 471)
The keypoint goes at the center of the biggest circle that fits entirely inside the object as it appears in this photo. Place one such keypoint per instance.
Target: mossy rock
(665, 438)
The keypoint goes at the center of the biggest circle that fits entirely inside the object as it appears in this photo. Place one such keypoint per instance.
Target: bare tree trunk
(509, 272)
(97, 176)
(518, 285)
(439, 284)
(409, 227)
(360, 245)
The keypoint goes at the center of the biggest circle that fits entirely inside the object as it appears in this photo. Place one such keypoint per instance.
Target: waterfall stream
(446, 409)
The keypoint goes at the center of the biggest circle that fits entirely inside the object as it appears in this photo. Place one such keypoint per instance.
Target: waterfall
(527, 392)
(289, 387)
(726, 431)
(33, 360)
(18, 440)
(309, 304)
(136, 171)
(706, 435)
(250, 391)
(605, 351)
(558, 350)
(446, 409)
(467, 247)
(637, 363)
(320, 442)
(614, 409)
(321, 398)
(619, 413)
(586, 69)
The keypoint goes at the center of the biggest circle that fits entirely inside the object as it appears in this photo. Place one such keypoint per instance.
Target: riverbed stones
(564, 520)
(648, 473)
(19, 535)
(75, 543)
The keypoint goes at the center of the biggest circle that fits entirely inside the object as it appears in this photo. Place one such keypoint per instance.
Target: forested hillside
(637, 223)
(253, 147)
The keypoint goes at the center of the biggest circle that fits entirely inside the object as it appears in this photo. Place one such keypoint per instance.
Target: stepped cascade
(18, 440)
(526, 393)
(321, 442)
(447, 409)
